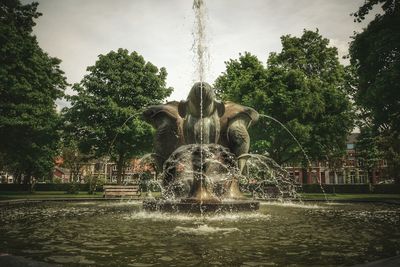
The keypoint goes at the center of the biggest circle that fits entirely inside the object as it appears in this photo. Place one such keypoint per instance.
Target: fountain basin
(199, 207)
(120, 233)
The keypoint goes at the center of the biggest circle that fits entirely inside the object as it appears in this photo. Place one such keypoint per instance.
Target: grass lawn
(306, 196)
(4, 195)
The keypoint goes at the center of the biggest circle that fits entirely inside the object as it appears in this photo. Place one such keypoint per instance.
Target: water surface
(121, 234)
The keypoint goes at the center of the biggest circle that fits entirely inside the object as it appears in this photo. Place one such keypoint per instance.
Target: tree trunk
(33, 184)
(369, 177)
(123, 175)
(120, 166)
(335, 177)
(17, 178)
(305, 175)
(75, 170)
(373, 176)
(27, 178)
(394, 171)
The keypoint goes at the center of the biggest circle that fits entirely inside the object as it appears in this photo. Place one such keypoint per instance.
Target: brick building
(348, 170)
(109, 170)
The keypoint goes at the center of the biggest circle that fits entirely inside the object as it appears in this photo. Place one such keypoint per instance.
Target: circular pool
(121, 234)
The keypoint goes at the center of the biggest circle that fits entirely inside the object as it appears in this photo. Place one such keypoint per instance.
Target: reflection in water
(193, 217)
(205, 230)
(115, 234)
(292, 204)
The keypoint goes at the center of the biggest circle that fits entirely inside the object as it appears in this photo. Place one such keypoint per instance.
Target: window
(341, 179)
(350, 146)
(352, 177)
(361, 163)
(363, 178)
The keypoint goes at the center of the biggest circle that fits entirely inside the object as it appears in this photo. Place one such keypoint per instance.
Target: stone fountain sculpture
(202, 120)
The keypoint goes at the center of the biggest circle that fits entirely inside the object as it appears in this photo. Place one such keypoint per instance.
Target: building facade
(348, 170)
(108, 170)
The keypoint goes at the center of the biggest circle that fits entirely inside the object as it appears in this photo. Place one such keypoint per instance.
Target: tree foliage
(303, 87)
(375, 56)
(368, 151)
(388, 6)
(30, 82)
(72, 158)
(105, 112)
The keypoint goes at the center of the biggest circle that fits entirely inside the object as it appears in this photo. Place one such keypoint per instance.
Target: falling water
(263, 173)
(300, 146)
(201, 143)
(200, 50)
(218, 166)
(289, 132)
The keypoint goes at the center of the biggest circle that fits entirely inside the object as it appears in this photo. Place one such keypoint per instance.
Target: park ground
(16, 195)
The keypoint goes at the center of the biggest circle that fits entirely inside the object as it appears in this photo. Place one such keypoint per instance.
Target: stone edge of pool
(40, 200)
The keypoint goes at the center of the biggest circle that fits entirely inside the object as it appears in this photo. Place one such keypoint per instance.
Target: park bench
(114, 191)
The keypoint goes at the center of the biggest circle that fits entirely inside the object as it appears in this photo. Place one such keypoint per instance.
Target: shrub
(93, 182)
(73, 188)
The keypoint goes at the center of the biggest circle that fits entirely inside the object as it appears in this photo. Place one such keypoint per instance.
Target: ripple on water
(69, 259)
(205, 230)
(292, 204)
(281, 234)
(337, 204)
(159, 216)
(108, 204)
(231, 217)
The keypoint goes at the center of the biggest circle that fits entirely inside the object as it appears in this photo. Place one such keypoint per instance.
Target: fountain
(201, 146)
(201, 143)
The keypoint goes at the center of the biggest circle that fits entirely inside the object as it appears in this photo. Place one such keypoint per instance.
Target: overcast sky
(78, 31)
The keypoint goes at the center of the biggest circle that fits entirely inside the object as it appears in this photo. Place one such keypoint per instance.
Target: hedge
(352, 188)
(386, 189)
(45, 187)
(306, 188)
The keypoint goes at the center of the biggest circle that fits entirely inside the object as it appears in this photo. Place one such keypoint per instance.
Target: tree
(304, 88)
(375, 55)
(105, 112)
(368, 151)
(73, 158)
(30, 82)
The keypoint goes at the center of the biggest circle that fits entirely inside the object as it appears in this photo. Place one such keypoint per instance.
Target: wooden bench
(130, 191)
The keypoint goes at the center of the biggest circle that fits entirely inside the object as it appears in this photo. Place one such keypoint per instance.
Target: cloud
(78, 31)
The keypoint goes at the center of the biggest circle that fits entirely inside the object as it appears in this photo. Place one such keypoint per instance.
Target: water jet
(208, 144)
